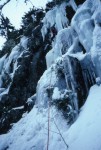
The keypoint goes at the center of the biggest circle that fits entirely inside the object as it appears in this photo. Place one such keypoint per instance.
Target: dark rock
(69, 13)
(75, 76)
(79, 2)
(9, 116)
(30, 66)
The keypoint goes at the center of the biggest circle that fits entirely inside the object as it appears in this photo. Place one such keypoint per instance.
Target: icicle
(69, 77)
(71, 74)
(73, 4)
(2, 60)
(55, 17)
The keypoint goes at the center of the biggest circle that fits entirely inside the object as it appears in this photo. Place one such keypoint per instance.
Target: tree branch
(1, 6)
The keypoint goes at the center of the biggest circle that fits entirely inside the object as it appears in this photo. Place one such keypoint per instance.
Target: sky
(14, 10)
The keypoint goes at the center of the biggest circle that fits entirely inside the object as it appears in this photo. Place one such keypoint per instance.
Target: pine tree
(31, 19)
(5, 26)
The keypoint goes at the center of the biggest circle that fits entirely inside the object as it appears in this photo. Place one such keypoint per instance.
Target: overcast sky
(14, 10)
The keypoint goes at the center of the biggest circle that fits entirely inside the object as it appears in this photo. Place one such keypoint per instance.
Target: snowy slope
(85, 133)
(30, 133)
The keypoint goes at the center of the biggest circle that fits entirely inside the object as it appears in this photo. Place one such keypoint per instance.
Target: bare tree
(7, 1)
(1, 6)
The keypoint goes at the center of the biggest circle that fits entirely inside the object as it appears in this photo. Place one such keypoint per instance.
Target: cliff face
(20, 70)
(72, 61)
(68, 39)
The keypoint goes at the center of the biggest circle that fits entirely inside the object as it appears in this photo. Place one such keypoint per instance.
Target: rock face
(79, 2)
(69, 36)
(67, 85)
(22, 85)
(70, 63)
(19, 74)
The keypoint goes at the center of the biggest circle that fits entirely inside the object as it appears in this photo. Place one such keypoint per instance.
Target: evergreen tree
(31, 19)
(5, 26)
(12, 35)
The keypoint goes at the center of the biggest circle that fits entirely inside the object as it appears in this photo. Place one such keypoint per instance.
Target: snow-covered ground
(30, 133)
(85, 133)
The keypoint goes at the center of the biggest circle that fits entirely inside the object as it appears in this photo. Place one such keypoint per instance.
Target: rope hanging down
(48, 126)
(60, 134)
(49, 91)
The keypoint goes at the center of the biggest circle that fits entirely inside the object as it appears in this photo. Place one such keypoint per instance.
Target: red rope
(48, 126)
(49, 112)
(49, 105)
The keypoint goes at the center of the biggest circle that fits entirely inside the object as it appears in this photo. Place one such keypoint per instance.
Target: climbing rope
(49, 103)
(49, 107)
(48, 127)
(60, 133)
